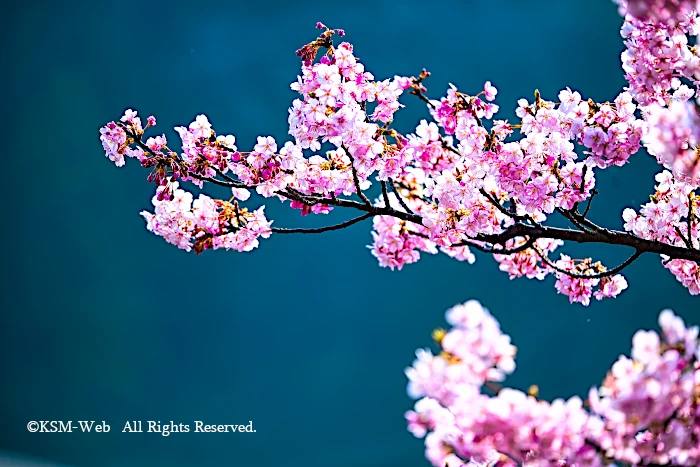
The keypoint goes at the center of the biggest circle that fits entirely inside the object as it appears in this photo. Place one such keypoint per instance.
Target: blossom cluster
(650, 403)
(663, 69)
(658, 53)
(465, 179)
(646, 411)
(577, 279)
(336, 93)
(115, 142)
(674, 136)
(670, 12)
(394, 243)
(204, 223)
(662, 219)
(537, 174)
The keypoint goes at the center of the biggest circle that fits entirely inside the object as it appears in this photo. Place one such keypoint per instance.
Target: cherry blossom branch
(519, 229)
(463, 181)
(612, 237)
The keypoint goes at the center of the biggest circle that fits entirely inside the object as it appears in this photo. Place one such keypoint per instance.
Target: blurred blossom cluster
(647, 411)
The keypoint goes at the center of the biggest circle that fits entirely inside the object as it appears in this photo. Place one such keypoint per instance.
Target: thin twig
(498, 251)
(572, 218)
(588, 205)
(582, 188)
(328, 228)
(399, 197)
(356, 179)
(691, 215)
(680, 234)
(500, 207)
(599, 275)
(385, 194)
(484, 248)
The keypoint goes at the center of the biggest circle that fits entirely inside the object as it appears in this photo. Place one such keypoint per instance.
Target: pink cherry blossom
(490, 91)
(157, 143)
(113, 139)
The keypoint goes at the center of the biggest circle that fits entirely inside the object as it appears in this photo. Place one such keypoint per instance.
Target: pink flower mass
(645, 413)
(465, 182)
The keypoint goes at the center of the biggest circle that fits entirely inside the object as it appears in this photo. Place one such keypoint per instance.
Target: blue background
(305, 336)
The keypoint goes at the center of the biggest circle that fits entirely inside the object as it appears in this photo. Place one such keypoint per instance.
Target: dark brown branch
(418, 89)
(342, 225)
(499, 206)
(447, 146)
(525, 246)
(611, 237)
(493, 386)
(356, 179)
(680, 234)
(234, 183)
(422, 97)
(498, 251)
(579, 220)
(582, 188)
(398, 197)
(572, 218)
(510, 213)
(385, 194)
(486, 249)
(291, 193)
(691, 215)
(588, 205)
(218, 182)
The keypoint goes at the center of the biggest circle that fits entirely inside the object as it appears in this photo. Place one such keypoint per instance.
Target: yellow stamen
(438, 335)
(533, 391)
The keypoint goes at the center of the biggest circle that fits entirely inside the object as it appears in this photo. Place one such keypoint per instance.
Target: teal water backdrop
(306, 336)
